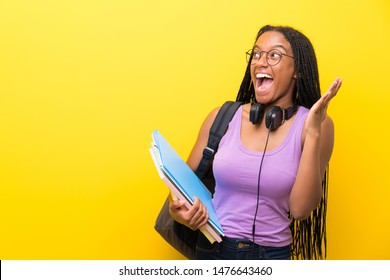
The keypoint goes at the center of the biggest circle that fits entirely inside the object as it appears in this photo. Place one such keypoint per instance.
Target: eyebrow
(273, 47)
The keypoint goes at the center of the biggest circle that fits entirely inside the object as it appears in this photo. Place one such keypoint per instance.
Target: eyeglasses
(273, 56)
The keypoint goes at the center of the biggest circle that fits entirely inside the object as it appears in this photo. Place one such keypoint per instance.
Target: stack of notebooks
(183, 183)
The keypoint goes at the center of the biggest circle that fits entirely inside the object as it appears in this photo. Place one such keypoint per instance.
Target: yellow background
(83, 83)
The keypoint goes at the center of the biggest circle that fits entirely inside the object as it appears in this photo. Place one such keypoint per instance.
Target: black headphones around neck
(274, 117)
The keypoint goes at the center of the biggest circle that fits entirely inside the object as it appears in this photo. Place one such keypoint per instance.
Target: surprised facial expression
(273, 84)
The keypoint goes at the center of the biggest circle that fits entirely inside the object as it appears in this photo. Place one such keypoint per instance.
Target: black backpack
(182, 238)
(217, 131)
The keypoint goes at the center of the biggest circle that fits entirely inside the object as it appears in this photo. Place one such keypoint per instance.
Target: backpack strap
(217, 130)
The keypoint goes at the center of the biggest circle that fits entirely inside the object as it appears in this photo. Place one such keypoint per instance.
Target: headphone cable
(258, 186)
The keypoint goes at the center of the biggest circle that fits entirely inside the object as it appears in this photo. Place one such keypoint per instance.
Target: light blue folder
(182, 176)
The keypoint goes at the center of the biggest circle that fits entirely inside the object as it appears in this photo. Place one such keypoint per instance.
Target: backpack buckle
(208, 152)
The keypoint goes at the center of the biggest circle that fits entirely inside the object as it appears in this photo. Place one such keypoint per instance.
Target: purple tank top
(236, 170)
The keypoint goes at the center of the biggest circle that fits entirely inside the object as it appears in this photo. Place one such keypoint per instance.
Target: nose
(262, 61)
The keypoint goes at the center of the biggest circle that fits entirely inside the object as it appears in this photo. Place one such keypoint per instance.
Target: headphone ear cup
(274, 118)
(256, 113)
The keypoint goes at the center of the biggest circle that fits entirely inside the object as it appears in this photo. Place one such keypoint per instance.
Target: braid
(308, 85)
(246, 92)
(309, 236)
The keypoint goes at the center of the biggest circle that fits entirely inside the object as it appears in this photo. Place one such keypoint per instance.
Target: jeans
(238, 249)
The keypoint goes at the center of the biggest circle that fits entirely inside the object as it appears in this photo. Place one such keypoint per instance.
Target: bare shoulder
(207, 123)
(327, 125)
(211, 116)
(201, 141)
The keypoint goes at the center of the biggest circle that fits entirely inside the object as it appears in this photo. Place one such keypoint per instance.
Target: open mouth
(263, 81)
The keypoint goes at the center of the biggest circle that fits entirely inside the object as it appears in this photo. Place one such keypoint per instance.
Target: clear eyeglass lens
(248, 56)
(256, 56)
(273, 56)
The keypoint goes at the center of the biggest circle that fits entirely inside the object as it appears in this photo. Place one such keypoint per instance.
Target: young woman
(271, 162)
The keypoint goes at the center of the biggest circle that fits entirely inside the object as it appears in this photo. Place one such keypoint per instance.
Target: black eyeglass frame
(249, 56)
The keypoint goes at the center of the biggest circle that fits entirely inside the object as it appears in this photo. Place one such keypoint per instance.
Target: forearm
(306, 192)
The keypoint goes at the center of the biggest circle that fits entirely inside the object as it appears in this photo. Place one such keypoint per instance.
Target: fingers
(175, 205)
(197, 215)
(330, 93)
(319, 110)
(334, 88)
(194, 218)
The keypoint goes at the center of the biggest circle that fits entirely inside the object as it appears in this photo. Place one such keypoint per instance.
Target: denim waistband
(238, 248)
(239, 243)
(229, 242)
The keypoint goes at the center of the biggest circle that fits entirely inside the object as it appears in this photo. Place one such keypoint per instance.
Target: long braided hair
(309, 235)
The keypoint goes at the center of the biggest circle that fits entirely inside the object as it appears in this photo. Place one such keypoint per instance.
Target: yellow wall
(84, 83)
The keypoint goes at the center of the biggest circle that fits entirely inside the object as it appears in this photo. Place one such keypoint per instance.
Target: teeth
(262, 75)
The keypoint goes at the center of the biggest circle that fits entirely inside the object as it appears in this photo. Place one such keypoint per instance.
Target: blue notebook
(176, 170)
